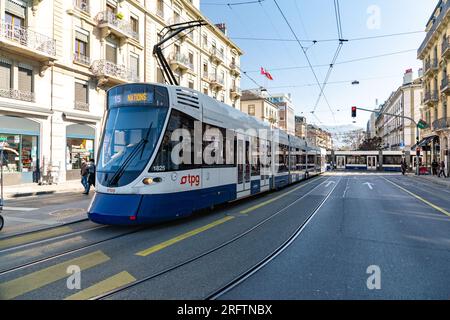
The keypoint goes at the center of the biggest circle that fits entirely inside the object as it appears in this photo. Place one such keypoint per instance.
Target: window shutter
(17, 8)
(134, 65)
(25, 80)
(80, 92)
(111, 53)
(5, 75)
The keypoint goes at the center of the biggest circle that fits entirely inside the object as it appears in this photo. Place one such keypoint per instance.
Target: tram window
(283, 158)
(240, 151)
(217, 147)
(163, 161)
(247, 161)
(392, 160)
(356, 160)
(256, 164)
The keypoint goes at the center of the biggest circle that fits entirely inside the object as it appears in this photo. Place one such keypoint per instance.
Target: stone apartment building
(58, 58)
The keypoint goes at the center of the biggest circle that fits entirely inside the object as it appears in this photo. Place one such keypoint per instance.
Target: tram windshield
(135, 119)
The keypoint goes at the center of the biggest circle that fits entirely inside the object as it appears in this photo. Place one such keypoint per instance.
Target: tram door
(243, 165)
(340, 162)
(372, 163)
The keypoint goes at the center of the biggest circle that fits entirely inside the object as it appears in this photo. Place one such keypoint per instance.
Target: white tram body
(139, 183)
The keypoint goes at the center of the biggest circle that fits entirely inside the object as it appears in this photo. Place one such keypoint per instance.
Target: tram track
(222, 245)
(70, 251)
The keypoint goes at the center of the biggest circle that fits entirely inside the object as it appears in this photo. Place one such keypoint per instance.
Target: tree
(371, 144)
(353, 139)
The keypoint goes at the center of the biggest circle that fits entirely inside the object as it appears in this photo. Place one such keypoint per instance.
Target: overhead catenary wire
(303, 49)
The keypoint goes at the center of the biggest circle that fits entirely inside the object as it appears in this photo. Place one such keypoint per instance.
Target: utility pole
(402, 117)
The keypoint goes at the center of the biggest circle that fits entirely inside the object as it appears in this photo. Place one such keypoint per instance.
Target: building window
(81, 53)
(134, 66)
(160, 8)
(5, 75)
(111, 51)
(205, 40)
(25, 79)
(81, 92)
(77, 150)
(191, 84)
(134, 22)
(21, 153)
(205, 91)
(251, 109)
(159, 76)
(191, 60)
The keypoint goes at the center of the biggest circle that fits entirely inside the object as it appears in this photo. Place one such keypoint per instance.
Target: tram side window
(356, 160)
(392, 160)
(256, 163)
(217, 149)
(186, 154)
(283, 159)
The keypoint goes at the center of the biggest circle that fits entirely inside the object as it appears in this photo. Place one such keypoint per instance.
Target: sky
(316, 20)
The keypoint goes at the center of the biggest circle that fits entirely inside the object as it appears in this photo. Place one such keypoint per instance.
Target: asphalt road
(359, 221)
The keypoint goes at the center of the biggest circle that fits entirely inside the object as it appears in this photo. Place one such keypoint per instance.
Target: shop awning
(423, 142)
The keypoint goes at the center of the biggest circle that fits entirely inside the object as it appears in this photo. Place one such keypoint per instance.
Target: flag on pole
(266, 73)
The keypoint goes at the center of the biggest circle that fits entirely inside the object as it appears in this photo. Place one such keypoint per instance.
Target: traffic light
(353, 112)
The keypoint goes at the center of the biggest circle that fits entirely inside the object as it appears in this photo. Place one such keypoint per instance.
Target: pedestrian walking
(84, 174)
(404, 166)
(434, 167)
(91, 176)
(442, 170)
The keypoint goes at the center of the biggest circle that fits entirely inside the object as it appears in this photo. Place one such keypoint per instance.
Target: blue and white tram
(139, 181)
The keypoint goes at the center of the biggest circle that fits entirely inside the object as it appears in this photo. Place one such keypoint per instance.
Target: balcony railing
(104, 68)
(77, 57)
(81, 106)
(181, 60)
(430, 96)
(441, 124)
(431, 65)
(109, 18)
(216, 79)
(445, 49)
(17, 95)
(81, 5)
(216, 53)
(445, 85)
(28, 38)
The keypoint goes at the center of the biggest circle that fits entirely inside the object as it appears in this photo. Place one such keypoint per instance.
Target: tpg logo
(192, 180)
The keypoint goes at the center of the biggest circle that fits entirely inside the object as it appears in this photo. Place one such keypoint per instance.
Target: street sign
(422, 124)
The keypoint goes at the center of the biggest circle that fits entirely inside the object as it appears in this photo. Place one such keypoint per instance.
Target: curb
(22, 195)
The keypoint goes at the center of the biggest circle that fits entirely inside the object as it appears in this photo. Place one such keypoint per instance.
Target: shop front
(79, 145)
(20, 140)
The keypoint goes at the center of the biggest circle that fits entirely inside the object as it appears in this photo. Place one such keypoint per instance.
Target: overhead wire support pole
(402, 117)
(168, 33)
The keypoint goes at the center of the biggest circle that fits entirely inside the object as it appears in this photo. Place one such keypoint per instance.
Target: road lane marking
(420, 198)
(262, 204)
(18, 209)
(182, 237)
(33, 221)
(107, 285)
(17, 287)
(18, 240)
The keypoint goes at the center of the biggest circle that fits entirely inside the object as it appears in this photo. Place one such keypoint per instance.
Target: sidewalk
(444, 182)
(33, 189)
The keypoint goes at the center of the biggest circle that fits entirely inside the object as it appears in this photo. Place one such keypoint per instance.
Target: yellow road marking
(262, 204)
(182, 237)
(18, 240)
(420, 198)
(41, 278)
(104, 286)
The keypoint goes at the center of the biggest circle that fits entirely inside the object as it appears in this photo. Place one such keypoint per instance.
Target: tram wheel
(1, 223)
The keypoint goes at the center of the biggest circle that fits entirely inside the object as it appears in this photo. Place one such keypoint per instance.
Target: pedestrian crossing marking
(114, 282)
(20, 286)
(35, 236)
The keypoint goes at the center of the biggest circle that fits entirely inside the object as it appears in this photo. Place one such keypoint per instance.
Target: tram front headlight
(147, 181)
